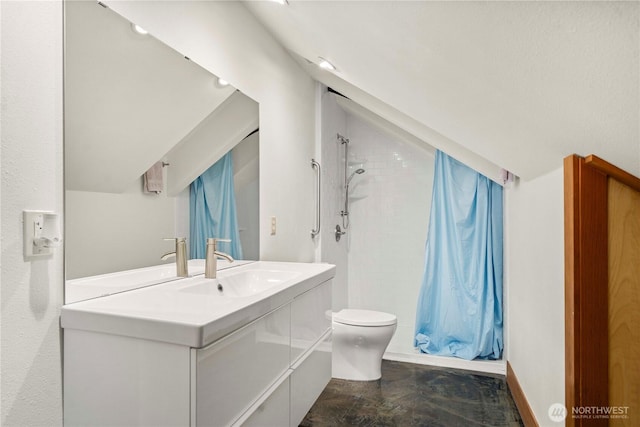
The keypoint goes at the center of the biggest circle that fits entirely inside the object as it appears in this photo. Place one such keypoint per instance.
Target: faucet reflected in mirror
(180, 117)
(182, 268)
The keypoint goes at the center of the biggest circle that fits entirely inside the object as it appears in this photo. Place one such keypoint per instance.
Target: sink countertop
(101, 285)
(164, 312)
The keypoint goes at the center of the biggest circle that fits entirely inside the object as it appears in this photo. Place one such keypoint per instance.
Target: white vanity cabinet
(280, 364)
(112, 380)
(267, 372)
(310, 349)
(235, 371)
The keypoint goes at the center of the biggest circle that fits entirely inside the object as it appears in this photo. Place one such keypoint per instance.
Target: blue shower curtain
(213, 210)
(460, 305)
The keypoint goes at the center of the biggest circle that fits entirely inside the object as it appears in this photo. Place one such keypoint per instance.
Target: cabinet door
(111, 380)
(310, 318)
(232, 373)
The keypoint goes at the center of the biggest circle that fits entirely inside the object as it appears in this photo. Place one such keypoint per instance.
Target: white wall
(246, 182)
(534, 277)
(107, 232)
(333, 121)
(227, 40)
(31, 297)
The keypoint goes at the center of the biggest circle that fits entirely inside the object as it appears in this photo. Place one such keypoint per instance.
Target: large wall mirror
(131, 102)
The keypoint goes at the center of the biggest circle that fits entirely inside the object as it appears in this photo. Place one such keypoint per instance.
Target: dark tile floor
(416, 395)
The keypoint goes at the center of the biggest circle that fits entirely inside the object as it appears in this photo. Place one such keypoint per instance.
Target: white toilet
(360, 338)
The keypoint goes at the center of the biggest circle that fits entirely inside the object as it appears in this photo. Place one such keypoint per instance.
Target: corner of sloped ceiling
(381, 124)
(516, 84)
(218, 133)
(392, 120)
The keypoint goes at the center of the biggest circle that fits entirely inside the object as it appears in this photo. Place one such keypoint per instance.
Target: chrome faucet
(211, 262)
(182, 268)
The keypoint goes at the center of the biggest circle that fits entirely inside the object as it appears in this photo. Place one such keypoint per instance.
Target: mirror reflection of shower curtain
(213, 210)
(460, 305)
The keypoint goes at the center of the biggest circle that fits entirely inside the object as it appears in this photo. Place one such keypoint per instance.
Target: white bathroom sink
(192, 311)
(111, 283)
(254, 281)
(242, 284)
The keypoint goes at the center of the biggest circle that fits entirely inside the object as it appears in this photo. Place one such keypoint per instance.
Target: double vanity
(251, 347)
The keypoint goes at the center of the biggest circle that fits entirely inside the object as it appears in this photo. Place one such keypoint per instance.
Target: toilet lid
(364, 318)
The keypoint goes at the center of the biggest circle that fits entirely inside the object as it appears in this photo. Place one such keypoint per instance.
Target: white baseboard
(496, 367)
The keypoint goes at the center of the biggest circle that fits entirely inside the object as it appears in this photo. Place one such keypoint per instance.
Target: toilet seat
(364, 318)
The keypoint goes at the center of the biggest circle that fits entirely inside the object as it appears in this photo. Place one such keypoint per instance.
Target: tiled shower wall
(334, 121)
(389, 216)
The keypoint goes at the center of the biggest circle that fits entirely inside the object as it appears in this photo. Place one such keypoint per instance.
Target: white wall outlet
(273, 225)
(41, 233)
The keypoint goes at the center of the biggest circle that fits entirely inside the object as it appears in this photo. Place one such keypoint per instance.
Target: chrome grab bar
(316, 230)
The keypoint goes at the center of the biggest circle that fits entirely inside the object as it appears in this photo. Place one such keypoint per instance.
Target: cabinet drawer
(310, 376)
(231, 374)
(273, 411)
(309, 319)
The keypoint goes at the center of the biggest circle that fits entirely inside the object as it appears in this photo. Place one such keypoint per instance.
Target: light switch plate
(273, 225)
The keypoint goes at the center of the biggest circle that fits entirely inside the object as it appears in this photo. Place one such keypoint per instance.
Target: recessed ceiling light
(138, 29)
(222, 82)
(326, 64)
(283, 2)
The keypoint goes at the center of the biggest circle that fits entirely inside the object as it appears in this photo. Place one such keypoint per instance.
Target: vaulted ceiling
(521, 84)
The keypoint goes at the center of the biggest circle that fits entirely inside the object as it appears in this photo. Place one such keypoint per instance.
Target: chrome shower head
(357, 171)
